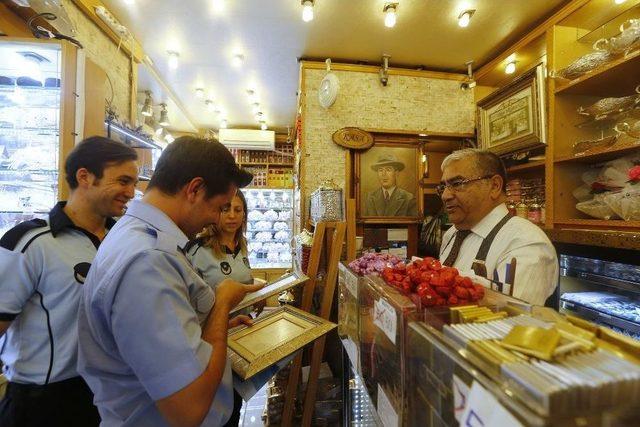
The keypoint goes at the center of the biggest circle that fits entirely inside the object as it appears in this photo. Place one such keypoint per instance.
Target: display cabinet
(348, 316)
(269, 227)
(594, 62)
(32, 128)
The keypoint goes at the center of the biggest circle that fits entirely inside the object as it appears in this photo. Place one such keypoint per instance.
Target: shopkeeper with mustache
(485, 238)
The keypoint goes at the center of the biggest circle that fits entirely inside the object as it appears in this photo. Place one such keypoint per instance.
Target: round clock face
(328, 91)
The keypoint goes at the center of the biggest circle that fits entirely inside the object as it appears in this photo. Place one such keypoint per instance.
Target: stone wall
(406, 103)
(105, 53)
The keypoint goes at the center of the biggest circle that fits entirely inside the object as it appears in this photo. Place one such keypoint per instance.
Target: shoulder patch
(13, 236)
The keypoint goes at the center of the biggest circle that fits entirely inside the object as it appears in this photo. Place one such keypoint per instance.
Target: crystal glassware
(607, 106)
(583, 65)
(624, 43)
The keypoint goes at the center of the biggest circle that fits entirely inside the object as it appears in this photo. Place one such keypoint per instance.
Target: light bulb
(510, 68)
(464, 18)
(263, 125)
(390, 16)
(173, 59)
(210, 105)
(199, 93)
(223, 124)
(218, 5)
(237, 60)
(159, 131)
(619, 1)
(307, 11)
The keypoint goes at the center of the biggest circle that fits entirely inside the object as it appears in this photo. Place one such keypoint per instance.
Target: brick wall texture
(104, 52)
(406, 103)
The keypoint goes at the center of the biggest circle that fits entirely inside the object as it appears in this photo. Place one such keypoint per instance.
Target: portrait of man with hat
(389, 199)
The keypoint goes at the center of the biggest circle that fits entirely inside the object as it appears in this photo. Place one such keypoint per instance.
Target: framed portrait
(514, 118)
(387, 178)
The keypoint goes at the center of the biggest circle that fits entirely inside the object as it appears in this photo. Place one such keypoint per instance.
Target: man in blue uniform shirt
(151, 347)
(39, 296)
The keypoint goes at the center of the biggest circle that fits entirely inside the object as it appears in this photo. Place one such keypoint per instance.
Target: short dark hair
(189, 157)
(486, 163)
(94, 154)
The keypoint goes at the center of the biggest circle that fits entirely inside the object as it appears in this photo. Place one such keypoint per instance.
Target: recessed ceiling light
(173, 59)
(307, 10)
(210, 105)
(237, 60)
(223, 124)
(465, 17)
(620, 1)
(510, 67)
(390, 14)
(218, 5)
(199, 93)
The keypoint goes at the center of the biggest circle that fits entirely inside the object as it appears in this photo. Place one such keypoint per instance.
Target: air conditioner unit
(248, 139)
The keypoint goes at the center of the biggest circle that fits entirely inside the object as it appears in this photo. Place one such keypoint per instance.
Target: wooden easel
(327, 236)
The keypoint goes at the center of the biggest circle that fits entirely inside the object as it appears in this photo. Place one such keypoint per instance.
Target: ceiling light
(263, 125)
(510, 68)
(211, 107)
(169, 138)
(159, 131)
(129, 2)
(307, 10)
(147, 108)
(390, 14)
(255, 107)
(223, 124)
(218, 5)
(620, 1)
(237, 60)
(465, 17)
(173, 59)
(199, 93)
(164, 116)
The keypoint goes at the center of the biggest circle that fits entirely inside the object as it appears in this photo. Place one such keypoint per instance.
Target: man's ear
(84, 178)
(496, 186)
(195, 186)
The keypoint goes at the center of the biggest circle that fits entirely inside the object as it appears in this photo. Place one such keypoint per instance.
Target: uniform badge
(80, 271)
(225, 268)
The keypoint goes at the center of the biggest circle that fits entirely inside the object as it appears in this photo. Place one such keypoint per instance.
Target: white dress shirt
(537, 263)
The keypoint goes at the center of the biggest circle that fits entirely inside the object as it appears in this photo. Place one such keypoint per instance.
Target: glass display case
(30, 99)
(269, 227)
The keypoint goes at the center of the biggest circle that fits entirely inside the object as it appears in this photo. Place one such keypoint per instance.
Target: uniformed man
(146, 346)
(485, 238)
(38, 313)
(389, 199)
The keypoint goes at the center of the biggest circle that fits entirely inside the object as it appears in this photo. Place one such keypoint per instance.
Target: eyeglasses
(458, 185)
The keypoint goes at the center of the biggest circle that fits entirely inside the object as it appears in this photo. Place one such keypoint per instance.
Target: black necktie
(455, 249)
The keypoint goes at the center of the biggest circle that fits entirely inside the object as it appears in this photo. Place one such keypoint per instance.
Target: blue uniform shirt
(139, 322)
(40, 295)
(233, 265)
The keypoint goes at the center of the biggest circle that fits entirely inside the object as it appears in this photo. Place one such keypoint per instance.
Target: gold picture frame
(513, 118)
(272, 338)
(282, 283)
(368, 184)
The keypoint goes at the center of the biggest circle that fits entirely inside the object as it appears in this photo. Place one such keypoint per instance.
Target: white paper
(460, 396)
(384, 317)
(483, 409)
(386, 412)
(397, 234)
(351, 282)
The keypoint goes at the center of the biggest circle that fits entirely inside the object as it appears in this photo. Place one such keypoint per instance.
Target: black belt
(19, 390)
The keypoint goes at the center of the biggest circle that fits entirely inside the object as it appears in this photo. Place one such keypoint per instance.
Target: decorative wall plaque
(353, 138)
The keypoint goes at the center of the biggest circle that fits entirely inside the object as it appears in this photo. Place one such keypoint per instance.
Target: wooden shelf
(603, 155)
(617, 78)
(535, 165)
(598, 223)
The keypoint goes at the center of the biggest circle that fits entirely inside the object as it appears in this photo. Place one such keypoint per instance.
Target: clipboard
(281, 284)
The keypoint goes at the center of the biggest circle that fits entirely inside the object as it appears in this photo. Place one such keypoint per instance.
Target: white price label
(387, 414)
(384, 317)
(351, 282)
(483, 409)
(460, 395)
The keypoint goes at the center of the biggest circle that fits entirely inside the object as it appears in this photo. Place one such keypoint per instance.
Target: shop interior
(314, 98)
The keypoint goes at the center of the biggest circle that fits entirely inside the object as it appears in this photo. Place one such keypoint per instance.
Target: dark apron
(479, 263)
